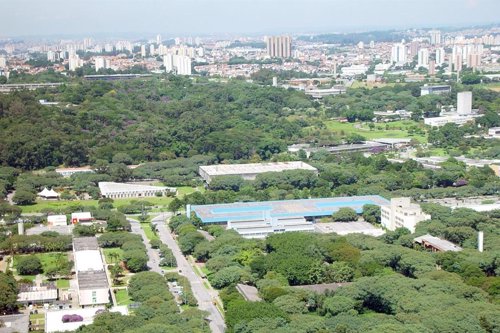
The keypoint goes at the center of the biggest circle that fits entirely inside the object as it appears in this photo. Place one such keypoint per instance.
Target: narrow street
(203, 296)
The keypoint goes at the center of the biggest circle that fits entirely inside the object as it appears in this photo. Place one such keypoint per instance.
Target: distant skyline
(219, 17)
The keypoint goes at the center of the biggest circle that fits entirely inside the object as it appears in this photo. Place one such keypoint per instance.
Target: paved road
(153, 255)
(203, 296)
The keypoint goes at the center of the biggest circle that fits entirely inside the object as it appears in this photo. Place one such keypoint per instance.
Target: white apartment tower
(435, 36)
(401, 213)
(398, 53)
(423, 58)
(143, 51)
(183, 65)
(464, 103)
(168, 62)
(279, 46)
(101, 62)
(440, 56)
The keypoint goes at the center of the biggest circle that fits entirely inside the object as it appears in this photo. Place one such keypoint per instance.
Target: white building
(57, 220)
(464, 103)
(123, 190)
(168, 62)
(354, 70)
(494, 132)
(435, 37)
(440, 56)
(101, 62)
(423, 58)
(143, 51)
(51, 56)
(441, 121)
(68, 172)
(3, 62)
(398, 53)
(251, 170)
(401, 213)
(182, 65)
(267, 226)
(81, 217)
(93, 285)
(74, 62)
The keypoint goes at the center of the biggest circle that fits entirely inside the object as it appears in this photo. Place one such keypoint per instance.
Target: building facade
(401, 213)
(279, 46)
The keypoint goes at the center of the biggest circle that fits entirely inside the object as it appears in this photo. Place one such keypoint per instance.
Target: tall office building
(279, 46)
(423, 58)
(440, 56)
(152, 50)
(435, 37)
(398, 53)
(464, 103)
(143, 51)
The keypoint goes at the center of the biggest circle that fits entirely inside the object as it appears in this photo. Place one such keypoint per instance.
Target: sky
(206, 17)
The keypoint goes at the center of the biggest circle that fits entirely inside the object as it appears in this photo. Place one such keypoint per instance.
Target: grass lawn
(108, 254)
(360, 84)
(62, 284)
(205, 270)
(49, 259)
(122, 297)
(147, 230)
(396, 129)
(438, 152)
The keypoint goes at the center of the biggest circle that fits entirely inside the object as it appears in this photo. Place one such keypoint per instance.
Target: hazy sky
(184, 17)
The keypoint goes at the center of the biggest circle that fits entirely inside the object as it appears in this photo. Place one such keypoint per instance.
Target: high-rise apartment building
(279, 46)
(435, 36)
(398, 53)
(51, 56)
(3, 62)
(423, 58)
(473, 60)
(183, 65)
(101, 62)
(168, 62)
(432, 67)
(440, 56)
(143, 51)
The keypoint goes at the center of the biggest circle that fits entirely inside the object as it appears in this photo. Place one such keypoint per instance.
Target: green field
(47, 260)
(62, 284)
(122, 297)
(396, 129)
(57, 205)
(108, 254)
(147, 230)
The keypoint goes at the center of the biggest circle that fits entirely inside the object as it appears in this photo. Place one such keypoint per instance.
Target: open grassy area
(109, 254)
(62, 284)
(396, 129)
(495, 86)
(50, 259)
(371, 85)
(122, 297)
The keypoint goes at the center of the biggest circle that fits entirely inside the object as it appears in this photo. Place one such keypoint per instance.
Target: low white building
(267, 226)
(455, 119)
(251, 170)
(123, 190)
(57, 220)
(401, 213)
(81, 218)
(68, 172)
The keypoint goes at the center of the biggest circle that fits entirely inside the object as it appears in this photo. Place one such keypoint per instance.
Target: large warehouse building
(251, 170)
(259, 219)
(93, 285)
(124, 190)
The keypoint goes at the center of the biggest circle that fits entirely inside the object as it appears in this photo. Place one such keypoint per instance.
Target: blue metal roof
(239, 211)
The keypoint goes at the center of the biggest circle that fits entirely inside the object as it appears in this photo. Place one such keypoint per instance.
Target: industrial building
(259, 219)
(434, 90)
(123, 190)
(93, 284)
(436, 244)
(401, 213)
(251, 170)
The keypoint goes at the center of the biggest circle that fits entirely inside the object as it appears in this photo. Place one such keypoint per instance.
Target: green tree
(29, 265)
(345, 214)
(24, 197)
(8, 296)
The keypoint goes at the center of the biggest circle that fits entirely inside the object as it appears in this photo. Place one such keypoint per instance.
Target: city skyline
(205, 17)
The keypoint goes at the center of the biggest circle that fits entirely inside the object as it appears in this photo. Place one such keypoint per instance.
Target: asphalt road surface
(204, 297)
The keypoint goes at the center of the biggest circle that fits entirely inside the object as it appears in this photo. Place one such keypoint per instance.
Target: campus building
(251, 170)
(436, 244)
(401, 213)
(434, 90)
(260, 219)
(122, 190)
(93, 285)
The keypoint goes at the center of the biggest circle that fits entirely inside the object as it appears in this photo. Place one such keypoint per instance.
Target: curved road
(203, 296)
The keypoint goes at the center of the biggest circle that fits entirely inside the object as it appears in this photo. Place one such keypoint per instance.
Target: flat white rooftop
(253, 168)
(53, 319)
(346, 228)
(88, 260)
(108, 188)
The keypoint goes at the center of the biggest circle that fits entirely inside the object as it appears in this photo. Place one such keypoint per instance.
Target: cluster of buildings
(463, 114)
